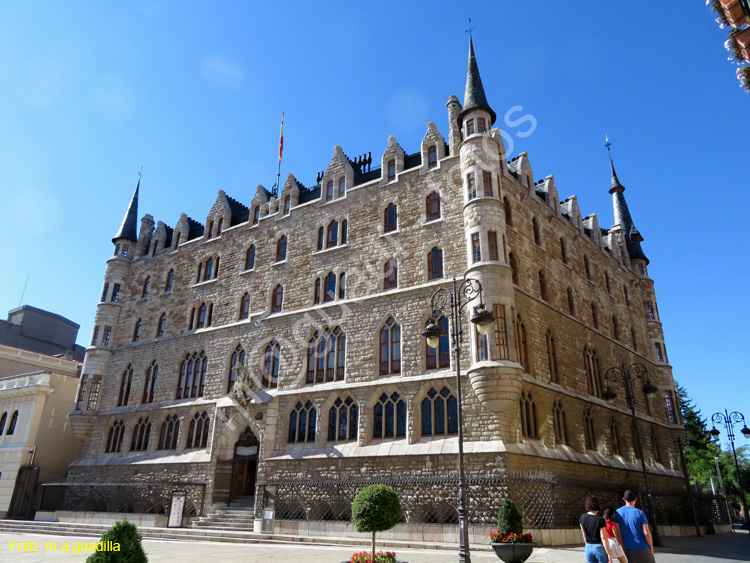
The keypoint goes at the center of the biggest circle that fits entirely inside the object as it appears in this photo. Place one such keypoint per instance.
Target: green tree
(375, 509)
(128, 540)
(700, 450)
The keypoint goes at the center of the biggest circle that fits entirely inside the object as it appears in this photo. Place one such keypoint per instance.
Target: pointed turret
(623, 219)
(474, 97)
(129, 228)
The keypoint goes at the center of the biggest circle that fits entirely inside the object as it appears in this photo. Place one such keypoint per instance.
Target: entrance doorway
(244, 465)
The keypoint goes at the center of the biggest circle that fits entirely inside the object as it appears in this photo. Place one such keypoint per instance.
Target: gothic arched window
(389, 417)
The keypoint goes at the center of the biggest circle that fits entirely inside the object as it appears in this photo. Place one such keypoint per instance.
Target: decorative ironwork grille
(141, 498)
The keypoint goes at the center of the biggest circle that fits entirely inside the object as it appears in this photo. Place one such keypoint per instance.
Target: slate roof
(195, 230)
(474, 96)
(129, 228)
(240, 212)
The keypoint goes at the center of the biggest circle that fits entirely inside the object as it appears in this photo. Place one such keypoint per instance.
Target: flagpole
(281, 150)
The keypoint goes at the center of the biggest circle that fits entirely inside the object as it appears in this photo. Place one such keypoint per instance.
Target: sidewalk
(709, 549)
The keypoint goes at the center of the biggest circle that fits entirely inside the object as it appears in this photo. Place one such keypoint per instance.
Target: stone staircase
(238, 516)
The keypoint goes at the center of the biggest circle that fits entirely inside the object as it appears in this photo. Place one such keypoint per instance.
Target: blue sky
(194, 91)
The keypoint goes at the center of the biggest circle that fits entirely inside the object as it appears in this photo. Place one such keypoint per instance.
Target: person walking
(614, 536)
(636, 534)
(594, 531)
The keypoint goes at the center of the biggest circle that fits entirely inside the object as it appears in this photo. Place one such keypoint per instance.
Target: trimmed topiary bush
(509, 520)
(129, 540)
(375, 509)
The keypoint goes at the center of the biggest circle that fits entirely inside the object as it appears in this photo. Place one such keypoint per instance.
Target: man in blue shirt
(636, 535)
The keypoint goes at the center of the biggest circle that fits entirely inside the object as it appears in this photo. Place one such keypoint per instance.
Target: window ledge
(205, 283)
(389, 233)
(433, 221)
(165, 293)
(279, 263)
(568, 266)
(330, 249)
(209, 240)
(247, 271)
(145, 298)
(540, 247)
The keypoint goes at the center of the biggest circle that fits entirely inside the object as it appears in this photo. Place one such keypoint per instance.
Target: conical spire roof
(129, 228)
(623, 219)
(474, 97)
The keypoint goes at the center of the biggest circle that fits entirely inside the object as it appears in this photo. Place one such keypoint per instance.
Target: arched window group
(591, 366)
(161, 325)
(529, 427)
(390, 348)
(439, 357)
(192, 378)
(125, 383)
(330, 287)
(558, 418)
(141, 432)
(326, 356)
(236, 361)
(554, 373)
(439, 413)
(202, 316)
(302, 422)
(11, 425)
(389, 417)
(589, 430)
(343, 420)
(271, 359)
(198, 431)
(149, 388)
(336, 233)
(170, 430)
(114, 437)
(208, 270)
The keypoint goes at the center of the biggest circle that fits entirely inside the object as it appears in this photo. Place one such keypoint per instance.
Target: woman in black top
(594, 530)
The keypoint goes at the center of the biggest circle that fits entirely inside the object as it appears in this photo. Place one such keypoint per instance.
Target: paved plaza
(712, 549)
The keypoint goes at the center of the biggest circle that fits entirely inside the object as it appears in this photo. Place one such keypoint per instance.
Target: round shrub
(131, 549)
(509, 519)
(375, 509)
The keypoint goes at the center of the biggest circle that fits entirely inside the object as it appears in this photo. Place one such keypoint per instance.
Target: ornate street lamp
(628, 376)
(729, 420)
(450, 303)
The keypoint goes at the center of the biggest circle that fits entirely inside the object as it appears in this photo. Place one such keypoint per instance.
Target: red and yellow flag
(281, 137)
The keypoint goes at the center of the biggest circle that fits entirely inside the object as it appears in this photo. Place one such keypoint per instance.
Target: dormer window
(469, 127)
(329, 190)
(391, 170)
(256, 214)
(219, 226)
(124, 250)
(342, 186)
(432, 157)
(481, 125)
(287, 204)
(210, 230)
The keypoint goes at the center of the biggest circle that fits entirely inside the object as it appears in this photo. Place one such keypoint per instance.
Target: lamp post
(450, 303)
(628, 375)
(729, 420)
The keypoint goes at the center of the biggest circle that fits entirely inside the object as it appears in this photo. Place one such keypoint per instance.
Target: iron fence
(545, 501)
(141, 498)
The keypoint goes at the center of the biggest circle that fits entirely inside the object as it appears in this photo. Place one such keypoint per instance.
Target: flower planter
(742, 42)
(733, 12)
(513, 552)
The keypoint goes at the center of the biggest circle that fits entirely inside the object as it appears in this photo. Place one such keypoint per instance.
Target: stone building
(310, 305)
